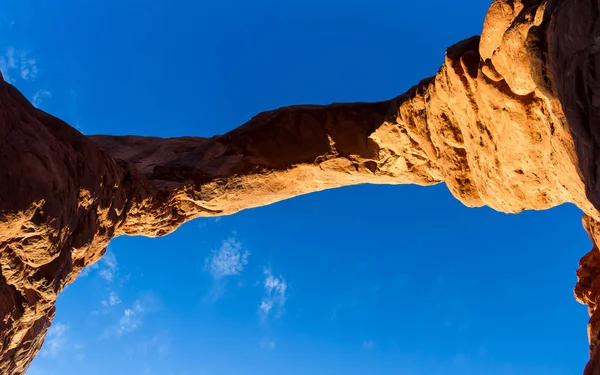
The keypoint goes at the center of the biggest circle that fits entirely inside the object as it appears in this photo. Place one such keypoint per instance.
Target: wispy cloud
(18, 64)
(228, 260)
(87, 270)
(109, 266)
(275, 294)
(27, 67)
(40, 96)
(112, 300)
(132, 318)
(107, 269)
(8, 63)
(55, 340)
(202, 222)
(59, 343)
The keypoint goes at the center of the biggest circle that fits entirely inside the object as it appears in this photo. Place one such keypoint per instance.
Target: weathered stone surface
(509, 121)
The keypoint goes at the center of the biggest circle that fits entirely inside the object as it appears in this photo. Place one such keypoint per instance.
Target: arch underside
(509, 121)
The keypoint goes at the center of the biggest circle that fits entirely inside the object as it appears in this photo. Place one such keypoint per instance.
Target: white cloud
(368, 344)
(20, 64)
(109, 266)
(132, 317)
(55, 340)
(40, 96)
(8, 63)
(87, 270)
(113, 300)
(266, 306)
(28, 68)
(228, 260)
(275, 294)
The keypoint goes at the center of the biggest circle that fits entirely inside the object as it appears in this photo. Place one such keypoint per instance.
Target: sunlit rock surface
(507, 122)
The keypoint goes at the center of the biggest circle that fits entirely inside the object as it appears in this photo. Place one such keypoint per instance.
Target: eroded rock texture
(509, 121)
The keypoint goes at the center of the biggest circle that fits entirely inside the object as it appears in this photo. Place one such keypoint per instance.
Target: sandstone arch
(509, 121)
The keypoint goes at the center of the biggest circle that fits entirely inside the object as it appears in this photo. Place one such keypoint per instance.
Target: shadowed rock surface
(509, 121)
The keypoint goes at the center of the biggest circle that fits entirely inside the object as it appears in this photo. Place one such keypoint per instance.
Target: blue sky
(395, 280)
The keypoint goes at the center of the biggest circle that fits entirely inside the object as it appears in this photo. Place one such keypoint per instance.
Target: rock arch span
(509, 121)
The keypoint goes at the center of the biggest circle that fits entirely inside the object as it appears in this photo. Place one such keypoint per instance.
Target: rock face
(507, 122)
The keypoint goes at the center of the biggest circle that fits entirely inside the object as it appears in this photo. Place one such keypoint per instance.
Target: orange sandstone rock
(507, 122)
